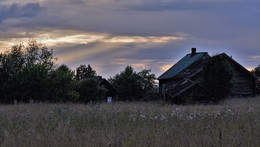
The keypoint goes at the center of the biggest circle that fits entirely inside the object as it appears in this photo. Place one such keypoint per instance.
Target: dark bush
(218, 74)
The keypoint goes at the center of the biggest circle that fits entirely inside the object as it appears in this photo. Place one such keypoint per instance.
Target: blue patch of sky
(14, 10)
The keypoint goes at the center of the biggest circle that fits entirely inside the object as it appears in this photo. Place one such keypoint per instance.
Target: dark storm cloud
(14, 10)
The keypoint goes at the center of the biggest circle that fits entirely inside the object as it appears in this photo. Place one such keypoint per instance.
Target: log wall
(243, 85)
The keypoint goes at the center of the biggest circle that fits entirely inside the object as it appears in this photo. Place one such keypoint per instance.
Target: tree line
(29, 72)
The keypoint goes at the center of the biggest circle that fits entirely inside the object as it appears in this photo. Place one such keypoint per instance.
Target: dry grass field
(236, 122)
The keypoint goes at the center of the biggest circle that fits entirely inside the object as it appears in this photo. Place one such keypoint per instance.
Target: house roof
(188, 67)
(237, 64)
(108, 85)
(184, 63)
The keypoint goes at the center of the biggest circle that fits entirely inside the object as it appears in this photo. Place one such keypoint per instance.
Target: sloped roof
(184, 63)
(108, 85)
(237, 64)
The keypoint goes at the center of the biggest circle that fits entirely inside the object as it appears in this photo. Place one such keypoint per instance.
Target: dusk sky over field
(151, 34)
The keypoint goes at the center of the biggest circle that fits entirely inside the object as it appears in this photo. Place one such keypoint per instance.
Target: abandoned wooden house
(184, 79)
(110, 90)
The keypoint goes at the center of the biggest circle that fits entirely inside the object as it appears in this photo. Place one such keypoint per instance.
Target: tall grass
(233, 123)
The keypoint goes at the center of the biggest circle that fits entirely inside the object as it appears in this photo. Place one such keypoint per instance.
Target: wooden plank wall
(243, 85)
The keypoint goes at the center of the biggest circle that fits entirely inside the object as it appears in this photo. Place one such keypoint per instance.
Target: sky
(146, 34)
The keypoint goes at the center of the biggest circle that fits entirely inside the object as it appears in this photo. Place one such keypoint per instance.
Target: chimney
(193, 51)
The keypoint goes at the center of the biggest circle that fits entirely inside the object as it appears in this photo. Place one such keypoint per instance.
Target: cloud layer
(143, 33)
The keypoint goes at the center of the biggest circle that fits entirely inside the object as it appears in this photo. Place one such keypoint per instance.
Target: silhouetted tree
(25, 69)
(127, 83)
(88, 84)
(62, 85)
(84, 72)
(256, 71)
(134, 86)
(218, 74)
(148, 84)
(32, 83)
(88, 89)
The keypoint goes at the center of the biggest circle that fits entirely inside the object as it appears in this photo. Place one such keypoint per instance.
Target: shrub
(218, 74)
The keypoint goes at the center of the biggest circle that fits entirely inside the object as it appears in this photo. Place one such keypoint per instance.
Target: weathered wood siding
(243, 85)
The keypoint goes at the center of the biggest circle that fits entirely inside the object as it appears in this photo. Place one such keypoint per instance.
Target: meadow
(235, 122)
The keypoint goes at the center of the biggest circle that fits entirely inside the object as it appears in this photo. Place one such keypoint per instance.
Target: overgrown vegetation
(234, 123)
(256, 71)
(29, 72)
(135, 86)
(217, 76)
(25, 72)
